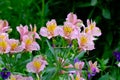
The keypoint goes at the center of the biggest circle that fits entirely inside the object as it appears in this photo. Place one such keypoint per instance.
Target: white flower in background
(118, 64)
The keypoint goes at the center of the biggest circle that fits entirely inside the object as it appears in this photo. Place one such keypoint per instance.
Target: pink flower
(68, 31)
(3, 26)
(85, 42)
(4, 36)
(29, 43)
(38, 64)
(34, 32)
(19, 77)
(15, 46)
(77, 77)
(91, 29)
(79, 65)
(52, 29)
(72, 18)
(23, 30)
(4, 46)
(93, 67)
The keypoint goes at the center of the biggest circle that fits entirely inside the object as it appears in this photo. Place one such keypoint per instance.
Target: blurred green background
(104, 12)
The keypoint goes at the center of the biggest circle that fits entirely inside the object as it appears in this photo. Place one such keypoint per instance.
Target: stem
(38, 78)
(42, 14)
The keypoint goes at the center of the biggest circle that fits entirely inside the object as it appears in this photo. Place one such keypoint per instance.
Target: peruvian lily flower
(85, 42)
(19, 77)
(51, 30)
(79, 65)
(91, 29)
(38, 64)
(4, 36)
(77, 77)
(34, 32)
(29, 43)
(15, 46)
(68, 31)
(93, 67)
(3, 26)
(4, 46)
(23, 30)
(72, 18)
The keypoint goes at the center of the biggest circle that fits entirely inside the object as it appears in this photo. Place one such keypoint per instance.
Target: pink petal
(43, 32)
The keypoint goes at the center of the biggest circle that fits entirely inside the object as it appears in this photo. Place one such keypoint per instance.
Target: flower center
(51, 27)
(67, 30)
(83, 40)
(28, 41)
(37, 64)
(14, 45)
(92, 26)
(3, 44)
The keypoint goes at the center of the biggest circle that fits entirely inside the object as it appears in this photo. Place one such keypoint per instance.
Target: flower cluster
(77, 74)
(26, 43)
(72, 30)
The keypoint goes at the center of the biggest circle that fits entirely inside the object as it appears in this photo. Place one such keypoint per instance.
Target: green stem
(38, 78)
(42, 14)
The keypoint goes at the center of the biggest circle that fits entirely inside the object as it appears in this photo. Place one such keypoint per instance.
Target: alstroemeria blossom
(85, 42)
(23, 30)
(38, 64)
(72, 18)
(51, 30)
(79, 65)
(4, 46)
(91, 29)
(15, 46)
(93, 67)
(19, 77)
(3, 26)
(4, 36)
(30, 44)
(68, 31)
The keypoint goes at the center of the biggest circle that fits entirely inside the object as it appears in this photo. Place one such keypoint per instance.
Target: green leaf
(106, 13)
(93, 2)
(80, 55)
(104, 77)
(84, 4)
(50, 47)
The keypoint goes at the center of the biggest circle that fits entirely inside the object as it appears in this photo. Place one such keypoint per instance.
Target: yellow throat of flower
(92, 26)
(51, 28)
(14, 45)
(12, 78)
(37, 64)
(28, 41)
(2, 37)
(3, 44)
(83, 40)
(67, 30)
